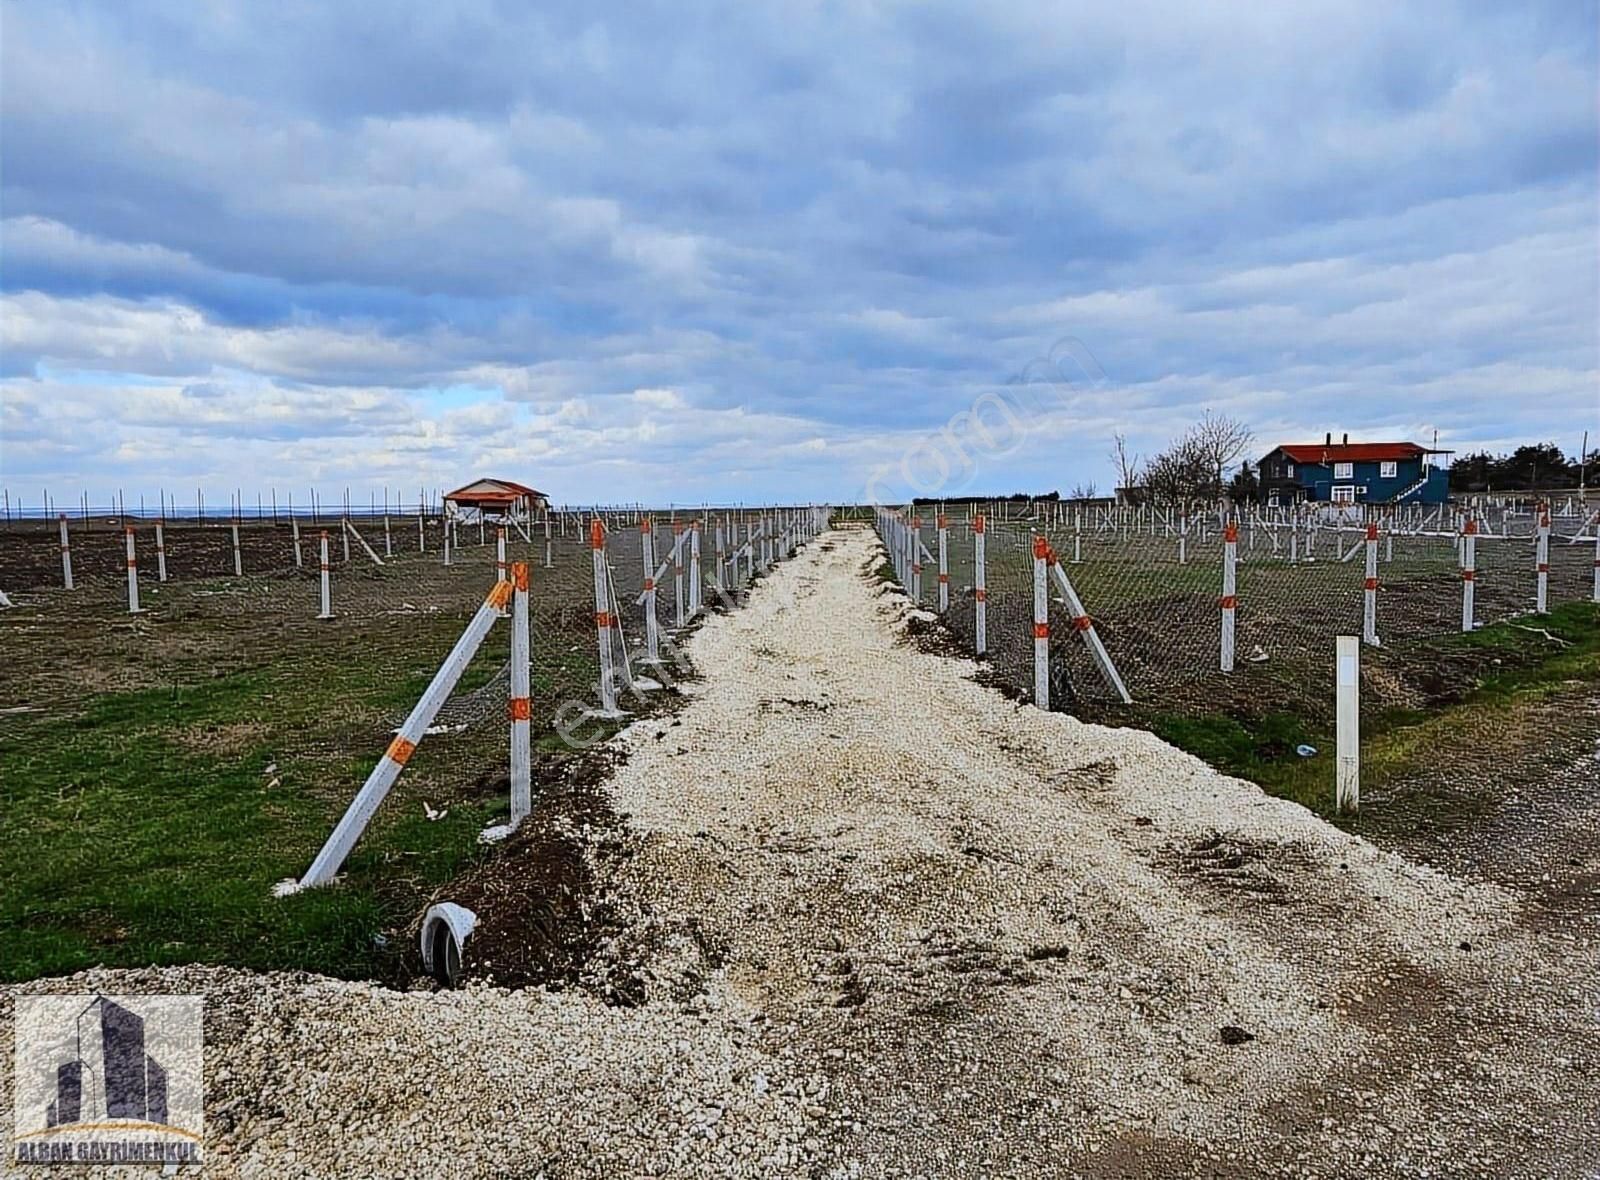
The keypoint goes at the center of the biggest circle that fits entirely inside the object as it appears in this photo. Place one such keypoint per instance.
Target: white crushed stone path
(907, 927)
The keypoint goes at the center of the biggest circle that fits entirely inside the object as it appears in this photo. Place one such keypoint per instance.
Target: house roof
(492, 490)
(1351, 452)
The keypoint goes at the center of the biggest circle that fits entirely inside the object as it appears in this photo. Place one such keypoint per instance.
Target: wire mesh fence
(321, 697)
(1153, 582)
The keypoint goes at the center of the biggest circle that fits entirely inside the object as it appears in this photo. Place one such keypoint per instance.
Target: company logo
(108, 1079)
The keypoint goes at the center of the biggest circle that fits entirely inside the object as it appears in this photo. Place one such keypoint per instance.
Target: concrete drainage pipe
(445, 928)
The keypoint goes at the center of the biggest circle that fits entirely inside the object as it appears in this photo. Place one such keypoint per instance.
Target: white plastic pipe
(1347, 725)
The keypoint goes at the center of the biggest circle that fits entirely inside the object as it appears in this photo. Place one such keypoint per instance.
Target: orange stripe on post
(519, 575)
(1083, 622)
(1469, 576)
(1231, 532)
(1041, 547)
(1372, 583)
(1041, 630)
(521, 709)
(602, 619)
(499, 594)
(597, 534)
(977, 523)
(400, 750)
(1229, 601)
(983, 595)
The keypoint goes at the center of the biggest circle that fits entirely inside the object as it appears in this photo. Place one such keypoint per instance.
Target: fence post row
(980, 590)
(133, 576)
(1469, 570)
(1369, 606)
(520, 705)
(66, 554)
(356, 817)
(1230, 592)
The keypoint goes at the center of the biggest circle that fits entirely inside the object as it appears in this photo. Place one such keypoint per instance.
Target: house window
(1344, 471)
(1389, 470)
(1344, 493)
(1288, 470)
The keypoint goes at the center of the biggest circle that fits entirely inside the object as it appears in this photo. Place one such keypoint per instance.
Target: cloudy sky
(729, 252)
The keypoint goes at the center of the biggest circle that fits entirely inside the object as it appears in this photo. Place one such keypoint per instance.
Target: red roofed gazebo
(492, 499)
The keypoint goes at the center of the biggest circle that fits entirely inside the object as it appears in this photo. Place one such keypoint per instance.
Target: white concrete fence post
(344, 537)
(677, 570)
(388, 541)
(161, 551)
(1542, 598)
(446, 531)
(1469, 571)
(944, 562)
(916, 560)
(133, 576)
(1597, 560)
(1041, 623)
(647, 546)
(1369, 605)
(362, 808)
(695, 582)
(66, 554)
(422, 537)
(1229, 601)
(238, 558)
(980, 590)
(520, 705)
(294, 530)
(603, 621)
(327, 587)
(1347, 725)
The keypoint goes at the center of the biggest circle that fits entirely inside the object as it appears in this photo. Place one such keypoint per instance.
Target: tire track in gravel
(998, 941)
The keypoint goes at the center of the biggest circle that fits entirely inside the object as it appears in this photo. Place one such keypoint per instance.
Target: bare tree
(1084, 491)
(1196, 465)
(1125, 462)
(1221, 441)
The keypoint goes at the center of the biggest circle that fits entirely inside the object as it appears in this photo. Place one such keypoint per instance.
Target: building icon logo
(108, 1079)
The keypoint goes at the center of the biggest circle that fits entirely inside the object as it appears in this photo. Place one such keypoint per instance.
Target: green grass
(142, 830)
(1397, 743)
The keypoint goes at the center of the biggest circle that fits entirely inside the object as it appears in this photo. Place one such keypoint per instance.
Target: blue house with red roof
(1389, 473)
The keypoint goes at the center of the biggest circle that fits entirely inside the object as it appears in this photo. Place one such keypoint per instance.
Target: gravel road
(893, 924)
